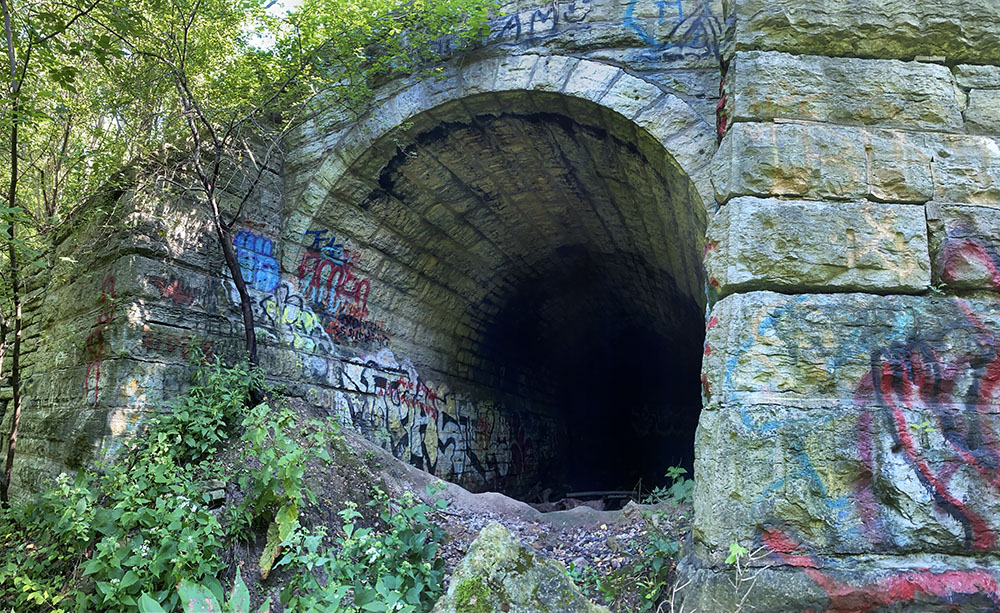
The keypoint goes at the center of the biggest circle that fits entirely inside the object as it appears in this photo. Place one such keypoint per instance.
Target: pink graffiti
(897, 588)
(913, 377)
(176, 290)
(960, 253)
(402, 391)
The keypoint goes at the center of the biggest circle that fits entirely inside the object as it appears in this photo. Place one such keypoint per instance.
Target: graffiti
(468, 442)
(286, 310)
(959, 257)
(255, 255)
(95, 345)
(547, 20)
(897, 588)
(695, 33)
(173, 289)
(327, 279)
(331, 285)
(912, 384)
(721, 122)
(176, 343)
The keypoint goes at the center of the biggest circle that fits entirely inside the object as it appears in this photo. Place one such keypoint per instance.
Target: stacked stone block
(850, 432)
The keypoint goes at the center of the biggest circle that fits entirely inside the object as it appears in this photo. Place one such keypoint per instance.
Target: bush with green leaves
(134, 529)
(391, 567)
(138, 534)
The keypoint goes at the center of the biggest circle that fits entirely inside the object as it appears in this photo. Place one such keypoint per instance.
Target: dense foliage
(141, 535)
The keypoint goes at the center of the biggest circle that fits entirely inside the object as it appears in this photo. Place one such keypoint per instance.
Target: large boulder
(501, 574)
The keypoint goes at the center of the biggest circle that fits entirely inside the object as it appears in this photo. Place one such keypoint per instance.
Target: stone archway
(532, 229)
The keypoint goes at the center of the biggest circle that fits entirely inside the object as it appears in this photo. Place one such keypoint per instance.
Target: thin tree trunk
(15, 289)
(225, 235)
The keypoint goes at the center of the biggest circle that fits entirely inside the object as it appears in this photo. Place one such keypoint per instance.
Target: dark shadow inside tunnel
(544, 257)
(624, 390)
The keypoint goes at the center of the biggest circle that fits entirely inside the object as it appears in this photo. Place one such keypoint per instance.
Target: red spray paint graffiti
(96, 343)
(895, 589)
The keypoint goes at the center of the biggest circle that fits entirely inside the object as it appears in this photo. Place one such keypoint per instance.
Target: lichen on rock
(501, 574)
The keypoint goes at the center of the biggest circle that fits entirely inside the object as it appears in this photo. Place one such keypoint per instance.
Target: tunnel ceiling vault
(522, 220)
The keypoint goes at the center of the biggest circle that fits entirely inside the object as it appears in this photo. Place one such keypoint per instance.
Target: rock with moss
(501, 574)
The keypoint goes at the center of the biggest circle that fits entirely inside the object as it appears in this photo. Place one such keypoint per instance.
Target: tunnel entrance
(624, 390)
(544, 256)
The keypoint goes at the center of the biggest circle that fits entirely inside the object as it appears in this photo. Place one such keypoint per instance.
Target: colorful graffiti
(321, 310)
(919, 391)
(327, 279)
(904, 461)
(468, 442)
(255, 254)
(96, 343)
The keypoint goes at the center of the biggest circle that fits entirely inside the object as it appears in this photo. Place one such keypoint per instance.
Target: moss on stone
(472, 596)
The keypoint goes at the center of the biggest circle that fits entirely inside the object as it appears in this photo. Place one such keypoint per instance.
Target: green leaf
(129, 579)
(736, 551)
(148, 605)
(239, 599)
(196, 597)
(271, 551)
(287, 519)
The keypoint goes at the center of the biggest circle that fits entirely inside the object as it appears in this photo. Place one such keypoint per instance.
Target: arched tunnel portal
(541, 253)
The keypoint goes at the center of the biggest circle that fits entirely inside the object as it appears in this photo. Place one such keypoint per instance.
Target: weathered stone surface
(500, 574)
(791, 578)
(966, 169)
(816, 350)
(802, 246)
(960, 30)
(850, 424)
(768, 85)
(983, 113)
(899, 167)
(843, 163)
(973, 76)
(758, 159)
(965, 246)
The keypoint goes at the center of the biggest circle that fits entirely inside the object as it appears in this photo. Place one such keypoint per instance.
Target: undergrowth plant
(644, 584)
(138, 534)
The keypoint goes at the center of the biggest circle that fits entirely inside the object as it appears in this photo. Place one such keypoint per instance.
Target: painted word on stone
(327, 279)
(255, 255)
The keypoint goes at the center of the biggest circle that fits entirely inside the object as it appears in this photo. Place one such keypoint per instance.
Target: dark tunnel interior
(624, 389)
(559, 270)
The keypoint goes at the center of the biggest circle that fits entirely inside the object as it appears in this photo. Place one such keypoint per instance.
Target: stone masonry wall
(358, 321)
(850, 427)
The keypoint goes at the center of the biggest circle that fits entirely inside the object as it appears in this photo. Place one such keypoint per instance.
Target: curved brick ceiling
(519, 248)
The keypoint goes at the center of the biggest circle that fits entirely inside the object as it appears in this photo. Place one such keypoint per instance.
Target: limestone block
(843, 162)
(972, 76)
(802, 246)
(767, 85)
(965, 245)
(856, 423)
(966, 169)
(790, 160)
(961, 30)
(899, 166)
(983, 113)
